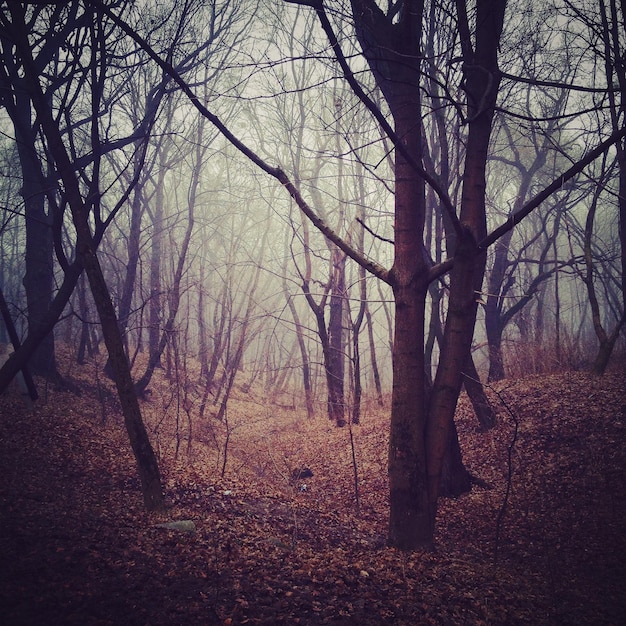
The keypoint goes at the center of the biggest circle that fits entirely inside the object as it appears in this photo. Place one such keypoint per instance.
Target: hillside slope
(77, 548)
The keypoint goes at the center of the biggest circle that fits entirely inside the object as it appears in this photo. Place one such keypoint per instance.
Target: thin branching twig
(355, 470)
(509, 477)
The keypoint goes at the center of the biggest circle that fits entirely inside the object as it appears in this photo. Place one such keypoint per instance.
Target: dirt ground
(76, 546)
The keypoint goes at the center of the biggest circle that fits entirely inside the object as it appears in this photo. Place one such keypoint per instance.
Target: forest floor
(76, 546)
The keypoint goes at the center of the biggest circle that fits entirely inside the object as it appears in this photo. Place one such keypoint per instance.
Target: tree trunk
(373, 359)
(496, 356)
(144, 454)
(155, 306)
(39, 276)
(481, 84)
(84, 344)
(455, 479)
(410, 520)
(458, 334)
(86, 253)
(387, 47)
(20, 358)
(435, 332)
(356, 344)
(132, 263)
(306, 369)
(336, 340)
(603, 356)
(332, 355)
(606, 340)
(15, 340)
(612, 25)
(476, 393)
(493, 309)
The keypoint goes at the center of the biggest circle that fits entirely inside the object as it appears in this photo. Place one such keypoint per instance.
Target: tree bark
(84, 344)
(410, 520)
(155, 306)
(20, 358)
(455, 479)
(493, 309)
(373, 358)
(39, 277)
(144, 454)
(336, 339)
(15, 340)
(476, 393)
(306, 368)
(482, 78)
(86, 254)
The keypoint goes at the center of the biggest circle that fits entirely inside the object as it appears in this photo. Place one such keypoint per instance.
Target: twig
(354, 470)
(226, 442)
(372, 233)
(509, 477)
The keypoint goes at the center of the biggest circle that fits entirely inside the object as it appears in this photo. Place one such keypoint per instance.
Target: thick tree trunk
(493, 311)
(12, 333)
(19, 359)
(458, 334)
(388, 47)
(481, 84)
(410, 518)
(38, 284)
(39, 276)
(496, 356)
(603, 356)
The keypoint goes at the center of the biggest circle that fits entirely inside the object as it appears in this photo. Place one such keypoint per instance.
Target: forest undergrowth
(262, 546)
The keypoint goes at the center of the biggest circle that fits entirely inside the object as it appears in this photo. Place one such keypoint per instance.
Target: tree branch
(318, 6)
(556, 184)
(555, 83)
(371, 266)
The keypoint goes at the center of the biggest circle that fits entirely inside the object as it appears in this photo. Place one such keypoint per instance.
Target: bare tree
(507, 293)
(81, 207)
(53, 28)
(614, 41)
(421, 422)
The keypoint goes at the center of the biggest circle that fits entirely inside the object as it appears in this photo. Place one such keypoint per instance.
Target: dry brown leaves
(77, 547)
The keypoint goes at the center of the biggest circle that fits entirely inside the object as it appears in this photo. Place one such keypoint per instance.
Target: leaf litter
(250, 538)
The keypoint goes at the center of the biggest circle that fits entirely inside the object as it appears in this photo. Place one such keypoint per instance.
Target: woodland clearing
(77, 547)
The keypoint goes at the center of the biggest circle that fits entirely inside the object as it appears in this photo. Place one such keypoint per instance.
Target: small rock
(302, 472)
(183, 526)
